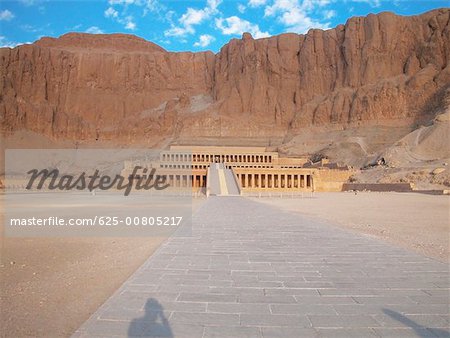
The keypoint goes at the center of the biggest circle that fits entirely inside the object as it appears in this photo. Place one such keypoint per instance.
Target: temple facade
(253, 169)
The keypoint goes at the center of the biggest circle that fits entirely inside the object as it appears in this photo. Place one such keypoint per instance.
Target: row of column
(179, 181)
(186, 181)
(184, 166)
(180, 157)
(270, 181)
(176, 157)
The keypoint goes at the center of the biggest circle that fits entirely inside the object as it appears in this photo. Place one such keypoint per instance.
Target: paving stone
(324, 300)
(201, 318)
(428, 321)
(274, 320)
(302, 309)
(384, 300)
(244, 298)
(232, 332)
(250, 270)
(283, 332)
(343, 321)
(238, 308)
(430, 299)
(290, 291)
(202, 297)
(346, 333)
(405, 332)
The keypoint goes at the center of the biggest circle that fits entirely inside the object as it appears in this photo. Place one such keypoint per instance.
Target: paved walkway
(253, 271)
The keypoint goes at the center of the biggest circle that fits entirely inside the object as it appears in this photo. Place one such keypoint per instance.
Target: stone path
(250, 270)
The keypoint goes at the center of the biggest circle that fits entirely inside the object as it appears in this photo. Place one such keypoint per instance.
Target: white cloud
(191, 18)
(111, 13)
(153, 6)
(94, 30)
(27, 2)
(241, 8)
(236, 26)
(205, 40)
(6, 15)
(295, 14)
(120, 14)
(29, 28)
(123, 2)
(148, 5)
(5, 43)
(256, 3)
(328, 14)
(179, 31)
(373, 3)
(129, 23)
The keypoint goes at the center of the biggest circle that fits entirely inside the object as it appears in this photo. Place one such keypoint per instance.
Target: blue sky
(178, 25)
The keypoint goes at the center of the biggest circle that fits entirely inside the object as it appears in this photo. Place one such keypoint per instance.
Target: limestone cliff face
(375, 69)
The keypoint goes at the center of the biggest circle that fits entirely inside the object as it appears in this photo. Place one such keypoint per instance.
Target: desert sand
(50, 286)
(417, 222)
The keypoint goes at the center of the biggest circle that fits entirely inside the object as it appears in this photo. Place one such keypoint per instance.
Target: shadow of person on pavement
(421, 331)
(153, 324)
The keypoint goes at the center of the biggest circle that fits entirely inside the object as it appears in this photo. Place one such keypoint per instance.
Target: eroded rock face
(375, 69)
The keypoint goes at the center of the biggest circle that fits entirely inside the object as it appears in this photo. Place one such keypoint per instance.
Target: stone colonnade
(204, 157)
(186, 181)
(177, 180)
(275, 180)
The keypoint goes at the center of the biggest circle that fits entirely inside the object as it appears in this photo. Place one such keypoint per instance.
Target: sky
(178, 25)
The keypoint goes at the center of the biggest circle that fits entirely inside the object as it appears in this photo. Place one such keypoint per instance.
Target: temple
(244, 170)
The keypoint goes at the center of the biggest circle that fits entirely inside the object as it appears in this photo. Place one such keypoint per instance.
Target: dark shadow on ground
(153, 324)
(421, 331)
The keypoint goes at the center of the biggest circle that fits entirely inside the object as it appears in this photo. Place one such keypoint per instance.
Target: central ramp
(222, 181)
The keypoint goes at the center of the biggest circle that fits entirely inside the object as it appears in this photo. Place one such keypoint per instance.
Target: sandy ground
(417, 222)
(50, 286)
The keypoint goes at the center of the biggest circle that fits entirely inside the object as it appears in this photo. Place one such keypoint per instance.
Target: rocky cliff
(379, 69)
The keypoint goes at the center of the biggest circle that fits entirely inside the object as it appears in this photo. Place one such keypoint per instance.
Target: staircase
(221, 181)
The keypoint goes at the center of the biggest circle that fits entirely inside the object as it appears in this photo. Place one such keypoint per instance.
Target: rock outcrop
(379, 69)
